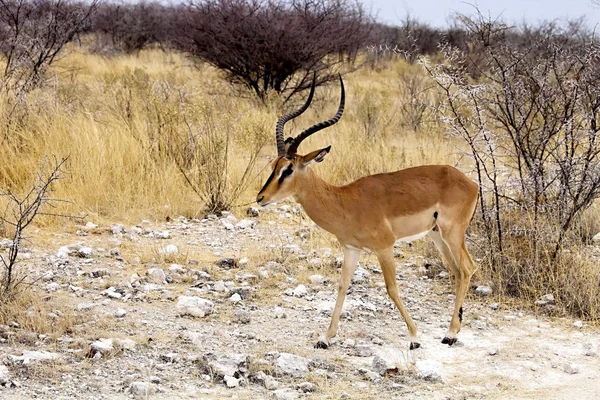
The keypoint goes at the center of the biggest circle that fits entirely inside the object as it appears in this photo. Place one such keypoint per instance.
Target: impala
(373, 212)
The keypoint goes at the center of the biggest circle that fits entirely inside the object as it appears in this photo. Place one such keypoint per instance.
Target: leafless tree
(33, 33)
(275, 44)
(21, 211)
(530, 123)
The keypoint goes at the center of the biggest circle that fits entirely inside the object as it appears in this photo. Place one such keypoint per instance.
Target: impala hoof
(449, 341)
(414, 345)
(321, 345)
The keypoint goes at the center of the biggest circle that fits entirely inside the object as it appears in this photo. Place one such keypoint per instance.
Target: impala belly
(412, 227)
(413, 237)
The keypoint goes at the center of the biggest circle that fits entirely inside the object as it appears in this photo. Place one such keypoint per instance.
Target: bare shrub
(20, 212)
(131, 27)
(530, 125)
(33, 33)
(275, 45)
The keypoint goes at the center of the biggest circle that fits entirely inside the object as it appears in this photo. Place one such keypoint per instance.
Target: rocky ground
(231, 308)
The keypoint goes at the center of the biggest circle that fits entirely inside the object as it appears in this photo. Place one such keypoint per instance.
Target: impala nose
(260, 199)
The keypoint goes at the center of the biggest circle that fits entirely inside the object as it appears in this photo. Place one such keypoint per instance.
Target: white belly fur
(414, 237)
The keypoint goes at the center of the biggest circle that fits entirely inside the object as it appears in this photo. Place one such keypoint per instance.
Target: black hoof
(321, 345)
(449, 341)
(414, 345)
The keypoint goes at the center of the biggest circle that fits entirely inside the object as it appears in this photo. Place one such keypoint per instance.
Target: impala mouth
(260, 203)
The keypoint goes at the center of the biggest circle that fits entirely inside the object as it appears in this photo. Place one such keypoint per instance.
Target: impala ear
(316, 156)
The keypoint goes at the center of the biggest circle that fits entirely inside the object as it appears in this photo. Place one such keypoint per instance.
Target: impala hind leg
(388, 267)
(464, 267)
(351, 256)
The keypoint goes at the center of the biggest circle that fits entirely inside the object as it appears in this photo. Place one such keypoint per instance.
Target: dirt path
(265, 338)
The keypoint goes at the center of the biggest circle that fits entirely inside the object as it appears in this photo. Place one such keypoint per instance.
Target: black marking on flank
(435, 214)
(460, 314)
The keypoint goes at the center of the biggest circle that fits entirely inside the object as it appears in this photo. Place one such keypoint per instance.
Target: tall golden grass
(116, 118)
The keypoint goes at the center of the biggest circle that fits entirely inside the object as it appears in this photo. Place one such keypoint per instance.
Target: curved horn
(317, 127)
(287, 117)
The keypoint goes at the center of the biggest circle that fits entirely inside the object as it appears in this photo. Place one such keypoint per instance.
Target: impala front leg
(351, 256)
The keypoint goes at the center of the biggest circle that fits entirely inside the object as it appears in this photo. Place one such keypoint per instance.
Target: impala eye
(285, 173)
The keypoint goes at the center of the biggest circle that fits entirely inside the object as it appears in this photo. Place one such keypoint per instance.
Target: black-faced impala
(373, 212)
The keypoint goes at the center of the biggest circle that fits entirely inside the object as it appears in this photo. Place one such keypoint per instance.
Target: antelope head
(289, 166)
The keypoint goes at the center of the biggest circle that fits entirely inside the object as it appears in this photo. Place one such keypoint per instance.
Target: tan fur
(375, 211)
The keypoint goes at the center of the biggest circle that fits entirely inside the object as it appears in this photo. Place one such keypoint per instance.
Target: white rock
(4, 375)
(596, 238)
(361, 275)
(285, 394)
(300, 291)
(493, 351)
(228, 225)
(316, 279)
(85, 252)
(245, 224)
(90, 225)
(152, 287)
(119, 313)
(578, 324)
(117, 229)
(591, 350)
(33, 356)
(102, 346)
(162, 235)
(169, 249)
(292, 365)
(157, 275)
(194, 306)
(52, 287)
(483, 291)
(382, 365)
(429, 370)
(571, 368)
(235, 298)
(231, 382)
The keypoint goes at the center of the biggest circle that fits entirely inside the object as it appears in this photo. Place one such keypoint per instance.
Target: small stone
(246, 224)
(510, 317)
(162, 234)
(241, 317)
(307, 387)
(157, 275)
(363, 350)
(170, 358)
(495, 306)
(316, 279)
(571, 368)
(344, 395)
(226, 263)
(114, 252)
(300, 291)
(578, 324)
(141, 389)
(52, 287)
(85, 252)
(361, 275)
(120, 313)
(349, 343)
(483, 291)
(284, 394)
(194, 306)
(231, 382)
(253, 212)
(102, 346)
(383, 366)
(547, 298)
(596, 238)
(117, 229)
(90, 225)
(235, 298)
(591, 350)
(279, 312)
(429, 370)
(292, 365)
(493, 351)
(34, 356)
(4, 375)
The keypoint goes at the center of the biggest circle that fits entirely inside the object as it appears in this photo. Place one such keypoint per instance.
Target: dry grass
(121, 120)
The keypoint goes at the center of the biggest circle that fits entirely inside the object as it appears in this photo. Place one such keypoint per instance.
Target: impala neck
(321, 201)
